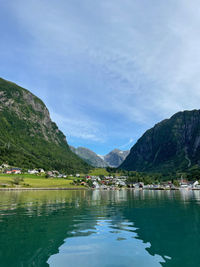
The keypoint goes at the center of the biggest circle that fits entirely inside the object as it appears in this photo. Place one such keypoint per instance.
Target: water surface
(100, 228)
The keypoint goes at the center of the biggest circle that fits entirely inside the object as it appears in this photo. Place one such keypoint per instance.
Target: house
(16, 171)
(32, 171)
(184, 184)
(50, 173)
(95, 185)
(5, 165)
(141, 185)
(8, 171)
(13, 171)
(122, 183)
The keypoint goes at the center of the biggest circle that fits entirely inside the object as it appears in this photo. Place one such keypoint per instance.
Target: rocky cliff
(171, 145)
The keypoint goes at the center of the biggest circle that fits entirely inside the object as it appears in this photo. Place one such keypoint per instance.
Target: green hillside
(28, 137)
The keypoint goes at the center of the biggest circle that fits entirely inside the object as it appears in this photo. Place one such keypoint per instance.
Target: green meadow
(34, 181)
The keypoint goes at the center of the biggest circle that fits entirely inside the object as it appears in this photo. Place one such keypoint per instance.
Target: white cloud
(136, 59)
(128, 144)
(84, 129)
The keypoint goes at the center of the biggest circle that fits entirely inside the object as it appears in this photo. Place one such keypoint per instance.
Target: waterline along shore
(40, 189)
(100, 189)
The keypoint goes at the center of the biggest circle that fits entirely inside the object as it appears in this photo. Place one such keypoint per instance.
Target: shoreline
(85, 188)
(42, 188)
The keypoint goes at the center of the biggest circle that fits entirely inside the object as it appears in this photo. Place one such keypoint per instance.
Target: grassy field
(98, 171)
(103, 171)
(33, 181)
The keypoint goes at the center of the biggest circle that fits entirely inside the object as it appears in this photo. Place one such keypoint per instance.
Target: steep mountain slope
(28, 137)
(171, 145)
(89, 156)
(115, 157)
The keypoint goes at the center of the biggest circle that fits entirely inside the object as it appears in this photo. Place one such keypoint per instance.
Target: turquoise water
(100, 228)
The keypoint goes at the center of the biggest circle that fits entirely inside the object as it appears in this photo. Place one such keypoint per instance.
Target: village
(121, 182)
(104, 182)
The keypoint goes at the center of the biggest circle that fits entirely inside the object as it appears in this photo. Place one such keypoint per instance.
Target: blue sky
(106, 69)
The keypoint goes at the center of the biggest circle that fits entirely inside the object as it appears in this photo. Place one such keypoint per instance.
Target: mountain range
(28, 137)
(170, 146)
(112, 159)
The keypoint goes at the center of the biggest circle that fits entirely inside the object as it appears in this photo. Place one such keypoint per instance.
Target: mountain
(115, 157)
(112, 159)
(28, 137)
(171, 145)
(89, 156)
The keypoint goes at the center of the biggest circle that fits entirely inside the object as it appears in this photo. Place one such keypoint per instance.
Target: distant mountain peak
(116, 157)
(112, 159)
(89, 156)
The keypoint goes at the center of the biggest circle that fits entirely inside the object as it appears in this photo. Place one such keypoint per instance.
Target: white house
(32, 171)
(96, 185)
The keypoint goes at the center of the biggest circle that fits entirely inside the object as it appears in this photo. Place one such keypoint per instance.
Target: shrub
(17, 180)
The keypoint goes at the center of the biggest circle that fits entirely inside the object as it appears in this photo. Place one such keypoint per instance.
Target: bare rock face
(30, 108)
(38, 106)
(89, 156)
(171, 145)
(116, 157)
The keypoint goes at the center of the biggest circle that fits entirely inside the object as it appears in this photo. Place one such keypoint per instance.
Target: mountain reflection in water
(100, 228)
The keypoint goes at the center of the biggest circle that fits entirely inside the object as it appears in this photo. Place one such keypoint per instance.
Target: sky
(107, 70)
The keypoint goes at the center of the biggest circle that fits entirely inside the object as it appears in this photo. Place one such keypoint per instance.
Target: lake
(100, 228)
